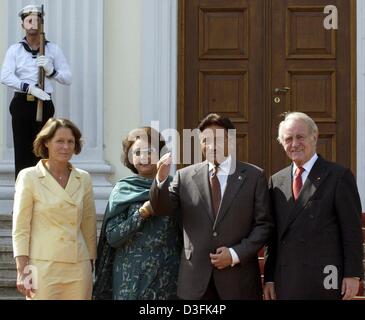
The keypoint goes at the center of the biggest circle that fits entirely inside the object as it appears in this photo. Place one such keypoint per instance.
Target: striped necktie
(297, 182)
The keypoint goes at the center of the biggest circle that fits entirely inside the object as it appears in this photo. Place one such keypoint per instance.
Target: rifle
(41, 79)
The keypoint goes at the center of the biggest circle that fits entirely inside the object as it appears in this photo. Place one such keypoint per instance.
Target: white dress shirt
(20, 67)
(307, 168)
(222, 175)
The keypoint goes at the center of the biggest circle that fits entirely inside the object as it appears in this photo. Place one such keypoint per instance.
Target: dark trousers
(26, 128)
(211, 293)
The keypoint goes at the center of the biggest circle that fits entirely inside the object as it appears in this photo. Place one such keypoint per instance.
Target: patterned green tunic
(147, 255)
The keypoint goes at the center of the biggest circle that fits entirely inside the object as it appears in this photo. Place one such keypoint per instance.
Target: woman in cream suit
(54, 221)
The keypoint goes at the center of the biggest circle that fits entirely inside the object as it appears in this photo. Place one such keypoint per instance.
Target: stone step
(6, 221)
(7, 283)
(5, 233)
(20, 297)
(8, 290)
(5, 242)
(7, 266)
(8, 273)
(16, 298)
(6, 254)
(6, 245)
(10, 293)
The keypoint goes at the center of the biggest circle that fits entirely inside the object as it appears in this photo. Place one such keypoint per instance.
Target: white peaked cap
(27, 10)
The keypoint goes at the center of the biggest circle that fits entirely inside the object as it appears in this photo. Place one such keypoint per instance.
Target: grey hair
(297, 116)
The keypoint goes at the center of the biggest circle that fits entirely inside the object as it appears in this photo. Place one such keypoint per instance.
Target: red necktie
(297, 183)
(216, 190)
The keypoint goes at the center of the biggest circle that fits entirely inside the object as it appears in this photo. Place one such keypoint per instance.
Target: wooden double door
(253, 60)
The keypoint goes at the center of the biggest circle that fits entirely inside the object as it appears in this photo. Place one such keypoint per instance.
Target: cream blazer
(52, 223)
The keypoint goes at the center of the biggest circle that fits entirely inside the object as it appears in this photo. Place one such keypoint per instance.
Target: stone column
(159, 65)
(77, 27)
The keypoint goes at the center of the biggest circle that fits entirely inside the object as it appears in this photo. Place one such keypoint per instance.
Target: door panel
(223, 67)
(315, 64)
(235, 53)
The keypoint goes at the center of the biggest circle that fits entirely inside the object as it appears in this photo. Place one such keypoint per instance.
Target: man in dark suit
(316, 251)
(224, 206)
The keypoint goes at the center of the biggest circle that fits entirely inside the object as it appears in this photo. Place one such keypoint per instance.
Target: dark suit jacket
(323, 227)
(244, 223)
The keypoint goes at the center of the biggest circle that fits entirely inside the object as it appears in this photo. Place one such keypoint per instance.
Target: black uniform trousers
(26, 128)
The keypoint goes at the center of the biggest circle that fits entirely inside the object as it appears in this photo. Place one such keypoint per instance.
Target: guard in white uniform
(20, 71)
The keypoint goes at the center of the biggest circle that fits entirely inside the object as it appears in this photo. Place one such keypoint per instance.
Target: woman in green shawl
(138, 254)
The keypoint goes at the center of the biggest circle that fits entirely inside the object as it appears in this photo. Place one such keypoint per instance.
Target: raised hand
(163, 167)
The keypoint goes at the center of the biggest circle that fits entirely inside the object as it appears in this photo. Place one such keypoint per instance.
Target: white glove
(46, 64)
(39, 93)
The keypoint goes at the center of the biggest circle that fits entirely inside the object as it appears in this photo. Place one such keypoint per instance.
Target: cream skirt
(62, 281)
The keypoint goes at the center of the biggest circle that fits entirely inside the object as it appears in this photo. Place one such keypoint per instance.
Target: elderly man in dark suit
(316, 251)
(224, 206)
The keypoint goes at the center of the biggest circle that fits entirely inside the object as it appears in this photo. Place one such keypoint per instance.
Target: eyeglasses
(147, 151)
